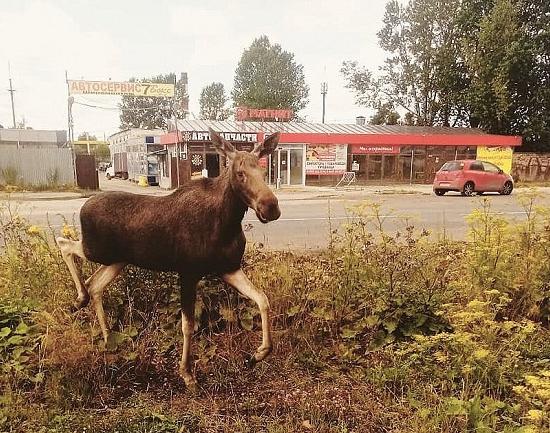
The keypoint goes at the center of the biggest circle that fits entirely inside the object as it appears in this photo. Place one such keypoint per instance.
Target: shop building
(319, 154)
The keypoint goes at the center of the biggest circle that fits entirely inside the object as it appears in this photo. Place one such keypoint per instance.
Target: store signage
(154, 90)
(326, 159)
(501, 156)
(245, 113)
(369, 149)
(237, 137)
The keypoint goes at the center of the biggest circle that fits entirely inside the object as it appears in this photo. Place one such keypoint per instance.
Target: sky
(101, 40)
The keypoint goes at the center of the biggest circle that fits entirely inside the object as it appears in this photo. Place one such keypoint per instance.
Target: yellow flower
(69, 232)
(534, 415)
(33, 230)
(481, 354)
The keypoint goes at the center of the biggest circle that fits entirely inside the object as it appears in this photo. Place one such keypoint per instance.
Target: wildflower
(33, 230)
(69, 232)
(481, 354)
(535, 415)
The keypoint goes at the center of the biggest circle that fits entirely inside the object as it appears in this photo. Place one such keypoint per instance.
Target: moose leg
(240, 281)
(96, 284)
(188, 292)
(70, 249)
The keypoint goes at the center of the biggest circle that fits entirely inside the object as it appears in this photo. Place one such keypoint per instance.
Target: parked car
(471, 176)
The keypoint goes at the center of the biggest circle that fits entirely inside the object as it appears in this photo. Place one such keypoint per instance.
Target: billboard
(374, 149)
(154, 90)
(501, 156)
(326, 159)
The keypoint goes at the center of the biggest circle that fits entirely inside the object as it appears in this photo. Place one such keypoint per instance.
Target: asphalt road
(306, 223)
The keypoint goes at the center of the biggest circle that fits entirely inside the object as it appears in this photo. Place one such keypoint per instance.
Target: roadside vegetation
(388, 332)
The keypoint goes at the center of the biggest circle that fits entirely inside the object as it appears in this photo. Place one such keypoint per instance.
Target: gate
(86, 173)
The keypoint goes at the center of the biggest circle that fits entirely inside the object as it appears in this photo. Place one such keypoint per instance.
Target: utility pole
(11, 90)
(324, 90)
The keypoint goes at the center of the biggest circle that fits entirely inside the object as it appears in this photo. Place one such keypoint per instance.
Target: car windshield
(452, 166)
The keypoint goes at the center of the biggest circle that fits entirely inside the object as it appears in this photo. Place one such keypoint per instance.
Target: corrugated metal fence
(39, 166)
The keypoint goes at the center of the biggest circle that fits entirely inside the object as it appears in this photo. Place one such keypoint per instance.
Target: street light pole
(324, 90)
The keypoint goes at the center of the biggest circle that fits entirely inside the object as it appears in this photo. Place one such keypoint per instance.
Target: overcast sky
(98, 40)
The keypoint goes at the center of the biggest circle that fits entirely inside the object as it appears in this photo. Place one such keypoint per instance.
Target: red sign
(245, 113)
(372, 149)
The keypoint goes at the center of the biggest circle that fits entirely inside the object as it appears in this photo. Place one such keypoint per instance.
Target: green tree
(84, 136)
(212, 102)
(268, 77)
(385, 115)
(151, 113)
(423, 73)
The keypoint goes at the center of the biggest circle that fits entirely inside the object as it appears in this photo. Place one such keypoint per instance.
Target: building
(319, 154)
(134, 153)
(32, 138)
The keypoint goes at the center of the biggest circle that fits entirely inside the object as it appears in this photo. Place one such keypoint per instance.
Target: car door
(477, 175)
(494, 176)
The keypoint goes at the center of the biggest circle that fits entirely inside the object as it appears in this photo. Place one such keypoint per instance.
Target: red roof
(330, 133)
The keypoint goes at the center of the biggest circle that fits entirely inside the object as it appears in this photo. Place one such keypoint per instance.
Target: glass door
(296, 164)
(283, 166)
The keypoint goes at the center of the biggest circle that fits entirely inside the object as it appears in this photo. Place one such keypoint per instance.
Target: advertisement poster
(326, 159)
(500, 156)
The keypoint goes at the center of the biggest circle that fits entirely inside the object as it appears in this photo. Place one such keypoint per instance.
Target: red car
(471, 176)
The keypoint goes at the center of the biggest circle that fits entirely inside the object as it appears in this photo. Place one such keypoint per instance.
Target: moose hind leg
(70, 249)
(96, 284)
(240, 281)
(188, 292)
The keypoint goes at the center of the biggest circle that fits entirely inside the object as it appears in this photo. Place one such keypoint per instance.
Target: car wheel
(468, 189)
(440, 192)
(507, 188)
(108, 176)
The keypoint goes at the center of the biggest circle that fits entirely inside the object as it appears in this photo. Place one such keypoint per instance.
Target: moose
(195, 231)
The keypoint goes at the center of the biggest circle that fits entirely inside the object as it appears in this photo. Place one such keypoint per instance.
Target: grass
(389, 332)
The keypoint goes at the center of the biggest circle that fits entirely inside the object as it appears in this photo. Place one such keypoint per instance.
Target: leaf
(114, 340)
(22, 328)
(16, 339)
(456, 406)
(349, 333)
(390, 325)
(4, 332)
(292, 311)
(228, 314)
(247, 320)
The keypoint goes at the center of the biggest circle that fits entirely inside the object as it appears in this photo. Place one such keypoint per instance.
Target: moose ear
(223, 147)
(267, 146)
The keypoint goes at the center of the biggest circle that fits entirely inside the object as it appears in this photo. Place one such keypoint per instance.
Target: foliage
(269, 77)
(212, 102)
(397, 331)
(479, 63)
(151, 113)
(423, 73)
(385, 115)
(84, 136)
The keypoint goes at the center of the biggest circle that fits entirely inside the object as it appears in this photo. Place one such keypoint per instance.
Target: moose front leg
(188, 293)
(240, 281)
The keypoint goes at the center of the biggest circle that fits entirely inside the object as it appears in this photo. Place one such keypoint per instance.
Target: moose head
(246, 176)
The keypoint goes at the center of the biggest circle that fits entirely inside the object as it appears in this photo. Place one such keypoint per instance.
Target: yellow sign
(154, 90)
(501, 156)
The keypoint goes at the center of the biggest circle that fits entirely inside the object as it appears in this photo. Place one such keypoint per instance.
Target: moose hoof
(192, 386)
(80, 303)
(250, 362)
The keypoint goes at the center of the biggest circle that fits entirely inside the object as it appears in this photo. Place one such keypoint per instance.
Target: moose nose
(268, 208)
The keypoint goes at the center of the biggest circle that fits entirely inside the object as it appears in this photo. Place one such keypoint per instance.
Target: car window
(476, 166)
(452, 166)
(491, 168)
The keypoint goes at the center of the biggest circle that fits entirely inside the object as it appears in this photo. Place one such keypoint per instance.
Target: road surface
(306, 223)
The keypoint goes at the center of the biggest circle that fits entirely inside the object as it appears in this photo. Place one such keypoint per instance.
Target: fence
(38, 166)
(531, 166)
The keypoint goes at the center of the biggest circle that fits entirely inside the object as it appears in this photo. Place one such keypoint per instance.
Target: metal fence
(38, 166)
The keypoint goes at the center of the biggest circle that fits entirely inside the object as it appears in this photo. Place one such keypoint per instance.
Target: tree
(268, 77)
(84, 136)
(385, 115)
(151, 113)
(423, 73)
(212, 102)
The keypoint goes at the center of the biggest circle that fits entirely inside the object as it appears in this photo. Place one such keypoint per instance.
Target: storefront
(320, 154)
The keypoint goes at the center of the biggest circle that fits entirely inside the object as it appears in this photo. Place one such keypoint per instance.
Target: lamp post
(324, 90)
